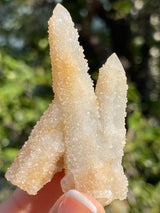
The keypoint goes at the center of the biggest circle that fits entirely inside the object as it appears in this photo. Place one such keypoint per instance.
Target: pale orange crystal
(82, 131)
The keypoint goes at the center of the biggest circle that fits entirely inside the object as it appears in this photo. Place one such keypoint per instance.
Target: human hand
(50, 199)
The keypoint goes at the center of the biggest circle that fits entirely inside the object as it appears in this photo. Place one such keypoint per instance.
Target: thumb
(75, 201)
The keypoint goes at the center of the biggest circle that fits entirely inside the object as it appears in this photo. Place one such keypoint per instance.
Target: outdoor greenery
(131, 28)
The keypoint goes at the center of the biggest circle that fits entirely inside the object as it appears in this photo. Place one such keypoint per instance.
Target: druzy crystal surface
(83, 131)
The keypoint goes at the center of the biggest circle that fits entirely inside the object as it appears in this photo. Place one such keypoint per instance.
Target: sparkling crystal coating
(82, 131)
(42, 155)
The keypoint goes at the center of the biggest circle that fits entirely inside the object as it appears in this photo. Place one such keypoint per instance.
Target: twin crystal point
(82, 131)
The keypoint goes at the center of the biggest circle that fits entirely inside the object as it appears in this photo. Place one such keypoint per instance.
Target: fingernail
(82, 199)
(74, 202)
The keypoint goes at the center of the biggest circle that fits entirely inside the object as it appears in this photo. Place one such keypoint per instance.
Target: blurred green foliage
(131, 29)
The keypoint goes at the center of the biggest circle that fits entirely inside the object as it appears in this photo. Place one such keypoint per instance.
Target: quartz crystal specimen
(42, 155)
(82, 131)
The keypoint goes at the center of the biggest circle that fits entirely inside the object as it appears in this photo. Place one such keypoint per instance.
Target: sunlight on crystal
(92, 162)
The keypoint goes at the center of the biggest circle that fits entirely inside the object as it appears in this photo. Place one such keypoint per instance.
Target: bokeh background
(129, 28)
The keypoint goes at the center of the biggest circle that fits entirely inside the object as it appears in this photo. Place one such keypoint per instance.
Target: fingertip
(20, 201)
(74, 201)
